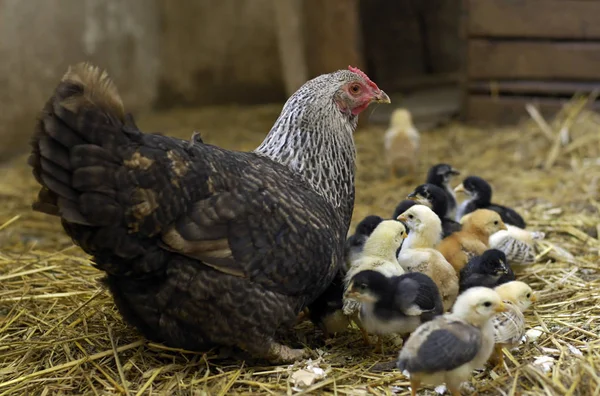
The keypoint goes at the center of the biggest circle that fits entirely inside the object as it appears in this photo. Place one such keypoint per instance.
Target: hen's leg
(278, 353)
(414, 385)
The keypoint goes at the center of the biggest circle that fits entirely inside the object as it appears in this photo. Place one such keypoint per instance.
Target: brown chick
(417, 253)
(473, 239)
(401, 143)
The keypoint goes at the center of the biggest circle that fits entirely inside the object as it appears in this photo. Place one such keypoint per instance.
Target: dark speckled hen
(204, 246)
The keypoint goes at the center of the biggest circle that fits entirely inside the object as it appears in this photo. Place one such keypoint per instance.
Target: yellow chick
(418, 254)
(473, 239)
(509, 326)
(379, 254)
(448, 348)
(401, 143)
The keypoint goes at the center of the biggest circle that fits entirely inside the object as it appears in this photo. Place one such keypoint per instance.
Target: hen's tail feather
(73, 132)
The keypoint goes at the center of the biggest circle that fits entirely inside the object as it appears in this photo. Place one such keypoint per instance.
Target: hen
(204, 246)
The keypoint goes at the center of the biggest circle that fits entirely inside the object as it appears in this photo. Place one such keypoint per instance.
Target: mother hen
(204, 246)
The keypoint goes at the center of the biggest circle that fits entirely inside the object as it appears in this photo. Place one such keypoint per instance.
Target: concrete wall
(40, 38)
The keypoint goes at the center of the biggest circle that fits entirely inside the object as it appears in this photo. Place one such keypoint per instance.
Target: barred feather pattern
(509, 326)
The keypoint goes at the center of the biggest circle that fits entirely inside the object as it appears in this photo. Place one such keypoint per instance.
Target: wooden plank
(533, 87)
(290, 40)
(533, 60)
(482, 109)
(575, 19)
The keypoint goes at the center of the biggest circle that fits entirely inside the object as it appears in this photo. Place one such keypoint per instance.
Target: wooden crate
(527, 51)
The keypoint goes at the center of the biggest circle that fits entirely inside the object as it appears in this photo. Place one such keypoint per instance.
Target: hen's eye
(355, 88)
(487, 304)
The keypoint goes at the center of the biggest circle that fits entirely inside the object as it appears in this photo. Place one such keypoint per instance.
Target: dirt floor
(61, 334)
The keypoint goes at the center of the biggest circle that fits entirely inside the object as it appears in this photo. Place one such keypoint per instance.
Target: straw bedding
(61, 334)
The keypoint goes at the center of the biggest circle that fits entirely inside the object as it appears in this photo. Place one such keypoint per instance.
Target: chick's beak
(381, 97)
(401, 218)
(533, 297)
(501, 308)
(454, 172)
(459, 188)
(504, 227)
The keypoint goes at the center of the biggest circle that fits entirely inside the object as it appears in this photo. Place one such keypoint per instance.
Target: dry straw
(61, 334)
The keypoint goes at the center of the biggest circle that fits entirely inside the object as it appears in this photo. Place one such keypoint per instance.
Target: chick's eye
(487, 304)
(496, 222)
(528, 295)
(355, 88)
(410, 216)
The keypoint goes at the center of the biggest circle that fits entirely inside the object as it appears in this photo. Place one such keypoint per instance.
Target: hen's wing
(434, 348)
(119, 191)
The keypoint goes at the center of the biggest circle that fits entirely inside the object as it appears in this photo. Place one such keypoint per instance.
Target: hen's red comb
(363, 75)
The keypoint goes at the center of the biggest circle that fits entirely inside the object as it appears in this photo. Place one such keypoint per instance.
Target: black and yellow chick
(480, 197)
(440, 175)
(394, 305)
(355, 243)
(433, 196)
(488, 270)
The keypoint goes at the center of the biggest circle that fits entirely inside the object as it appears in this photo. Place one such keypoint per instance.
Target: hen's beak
(381, 97)
(459, 188)
(501, 308)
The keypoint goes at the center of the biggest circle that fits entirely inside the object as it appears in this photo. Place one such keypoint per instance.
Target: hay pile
(61, 334)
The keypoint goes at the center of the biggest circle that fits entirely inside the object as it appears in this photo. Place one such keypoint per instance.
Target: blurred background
(481, 59)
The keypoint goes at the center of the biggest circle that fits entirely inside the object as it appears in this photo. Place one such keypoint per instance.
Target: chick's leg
(498, 356)
(414, 386)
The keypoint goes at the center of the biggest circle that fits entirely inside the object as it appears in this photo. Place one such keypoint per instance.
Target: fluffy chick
(518, 244)
(394, 305)
(509, 326)
(379, 254)
(401, 142)
(448, 348)
(354, 244)
(326, 312)
(418, 254)
(473, 239)
(435, 198)
(441, 175)
(479, 194)
(488, 270)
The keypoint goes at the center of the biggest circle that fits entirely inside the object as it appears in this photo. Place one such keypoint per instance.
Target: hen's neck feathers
(315, 139)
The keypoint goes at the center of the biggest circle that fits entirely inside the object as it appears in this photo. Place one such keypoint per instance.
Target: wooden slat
(575, 19)
(483, 109)
(533, 87)
(533, 60)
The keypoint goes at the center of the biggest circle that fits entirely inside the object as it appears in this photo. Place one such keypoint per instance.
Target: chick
(518, 244)
(479, 194)
(401, 143)
(402, 207)
(394, 305)
(488, 270)
(326, 312)
(473, 239)
(434, 197)
(355, 243)
(448, 348)
(440, 175)
(418, 254)
(509, 326)
(379, 254)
